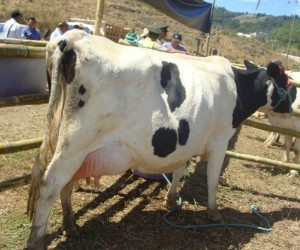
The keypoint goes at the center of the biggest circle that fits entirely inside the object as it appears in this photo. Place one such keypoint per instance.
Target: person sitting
(31, 32)
(12, 27)
(164, 32)
(175, 44)
(60, 30)
(150, 41)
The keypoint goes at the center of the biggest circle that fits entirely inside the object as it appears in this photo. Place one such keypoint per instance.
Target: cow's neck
(251, 95)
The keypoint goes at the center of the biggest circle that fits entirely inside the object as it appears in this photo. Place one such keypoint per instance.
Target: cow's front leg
(171, 198)
(214, 165)
(69, 223)
(272, 139)
(288, 140)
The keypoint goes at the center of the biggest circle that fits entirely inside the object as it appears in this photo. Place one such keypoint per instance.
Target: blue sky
(270, 7)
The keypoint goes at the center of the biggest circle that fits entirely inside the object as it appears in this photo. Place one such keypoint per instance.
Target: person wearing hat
(175, 45)
(12, 27)
(164, 32)
(60, 30)
(150, 41)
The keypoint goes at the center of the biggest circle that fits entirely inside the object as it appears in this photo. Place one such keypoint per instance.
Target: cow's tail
(41, 162)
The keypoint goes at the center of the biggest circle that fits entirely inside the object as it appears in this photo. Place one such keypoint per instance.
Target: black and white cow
(292, 123)
(114, 107)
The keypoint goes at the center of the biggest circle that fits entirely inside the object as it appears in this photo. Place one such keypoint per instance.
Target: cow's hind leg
(58, 174)
(171, 199)
(69, 223)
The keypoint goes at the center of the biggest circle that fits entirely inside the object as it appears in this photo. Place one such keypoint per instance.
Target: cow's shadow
(145, 229)
(139, 227)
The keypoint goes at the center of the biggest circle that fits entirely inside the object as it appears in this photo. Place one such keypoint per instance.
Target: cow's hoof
(171, 202)
(71, 232)
(36, 244)
(214, 215)
(96, 190)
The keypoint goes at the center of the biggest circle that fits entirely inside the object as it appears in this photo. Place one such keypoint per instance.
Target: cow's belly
(117, 158)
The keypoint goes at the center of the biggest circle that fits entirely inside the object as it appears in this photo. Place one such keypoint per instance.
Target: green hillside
(277, 28)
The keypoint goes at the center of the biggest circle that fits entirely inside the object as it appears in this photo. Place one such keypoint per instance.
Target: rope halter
(283, 94)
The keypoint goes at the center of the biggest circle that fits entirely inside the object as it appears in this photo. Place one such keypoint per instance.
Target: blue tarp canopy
(192, 13)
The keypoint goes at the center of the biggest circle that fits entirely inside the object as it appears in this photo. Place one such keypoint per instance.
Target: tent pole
(211, 19)
(290, 38)
(99, 16)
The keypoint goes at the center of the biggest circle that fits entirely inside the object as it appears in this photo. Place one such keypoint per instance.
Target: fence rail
(24, 100)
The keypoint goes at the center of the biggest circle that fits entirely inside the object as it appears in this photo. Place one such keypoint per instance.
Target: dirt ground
(128, 212)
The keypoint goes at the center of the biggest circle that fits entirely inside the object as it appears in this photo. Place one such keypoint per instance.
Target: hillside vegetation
(137, 14)
(276, 28)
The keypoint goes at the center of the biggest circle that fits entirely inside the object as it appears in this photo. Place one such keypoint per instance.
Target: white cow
(114, 107)
(292, 123)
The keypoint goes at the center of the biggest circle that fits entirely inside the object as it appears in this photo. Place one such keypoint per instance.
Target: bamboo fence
(19, 50)
(23, 42)
(24, 100)
(270, 128)
(17, 146)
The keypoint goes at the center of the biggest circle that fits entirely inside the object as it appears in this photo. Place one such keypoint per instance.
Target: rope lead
(254, 210)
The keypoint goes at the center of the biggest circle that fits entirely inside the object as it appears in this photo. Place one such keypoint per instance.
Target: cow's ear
(250, 66)
(273, 70)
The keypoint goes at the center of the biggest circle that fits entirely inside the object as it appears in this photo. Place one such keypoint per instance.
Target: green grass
(14, 229)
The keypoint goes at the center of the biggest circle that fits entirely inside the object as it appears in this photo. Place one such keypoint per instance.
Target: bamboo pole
(290, 38)
(296, 112)
(15, 182)
(24, 100)
(211, 20)
(262, 160)
(23, 42)
(295, 83)
(99, 16)
(16, 146)
(14, 50)
(268, 127)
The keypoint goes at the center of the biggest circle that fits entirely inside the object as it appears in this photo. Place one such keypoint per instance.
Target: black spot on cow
(164, 141)
(62, 44)
(171, 82)
(81, 104)
(68, 62)
(82, 90)
(183, 132)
